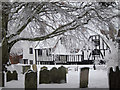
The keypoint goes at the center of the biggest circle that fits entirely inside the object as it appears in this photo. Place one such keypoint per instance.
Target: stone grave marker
(8, 76)
(30, 80)
(15, 75)
(54, 75)
(44, 76)
(62, 74)
(44, 67)
(84, 76)
(25, 68)
(114, 78)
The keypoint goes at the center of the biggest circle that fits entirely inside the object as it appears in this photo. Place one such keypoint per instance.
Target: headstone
(62, 74)
(31, 80)
(54, 75)
(8, 76)
(44, 67)
(44, 76)
(84, 74)
(15, 75)
(114, 78)
(34, 67)
(25, 68)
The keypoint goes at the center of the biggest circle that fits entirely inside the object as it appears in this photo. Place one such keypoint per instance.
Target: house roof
(55, 44)
(42, 45)
(60, 49)
(49, 43)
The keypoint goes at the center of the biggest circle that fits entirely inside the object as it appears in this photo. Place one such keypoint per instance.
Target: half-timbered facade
(58, 54)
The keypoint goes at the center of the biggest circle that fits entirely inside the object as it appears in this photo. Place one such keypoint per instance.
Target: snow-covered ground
(97, 78)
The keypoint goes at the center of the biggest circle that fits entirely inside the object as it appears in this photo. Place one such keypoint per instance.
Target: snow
(43, 44)
(60, 49)
(112, 58)
(97, 78)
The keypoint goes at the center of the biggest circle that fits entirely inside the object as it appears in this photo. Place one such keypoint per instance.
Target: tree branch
(20, 30)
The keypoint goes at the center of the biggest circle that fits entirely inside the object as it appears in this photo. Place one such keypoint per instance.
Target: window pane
(31, 50)
(40, 52)
(31, 61)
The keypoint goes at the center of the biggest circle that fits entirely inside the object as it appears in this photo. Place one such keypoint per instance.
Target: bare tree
(33, 21)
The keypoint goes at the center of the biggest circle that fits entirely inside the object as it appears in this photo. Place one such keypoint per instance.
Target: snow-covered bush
(111, 58)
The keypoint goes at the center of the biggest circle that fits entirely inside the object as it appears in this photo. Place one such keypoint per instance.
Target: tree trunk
(5, 53)
(5, 46)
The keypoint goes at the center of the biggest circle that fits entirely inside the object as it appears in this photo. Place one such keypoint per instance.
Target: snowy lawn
(97, 78)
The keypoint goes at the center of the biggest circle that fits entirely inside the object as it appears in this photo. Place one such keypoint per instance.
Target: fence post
(84, 76)
(34, 66)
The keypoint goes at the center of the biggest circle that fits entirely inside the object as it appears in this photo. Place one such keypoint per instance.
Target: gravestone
(54, 75)
(62, 74)
(114, 78)
(11, 76)
(84, 74)
(8, 76)
(31, 80)
(15, 75)
(34, 67)
(44, 67)
(25, 68)
(44, 76)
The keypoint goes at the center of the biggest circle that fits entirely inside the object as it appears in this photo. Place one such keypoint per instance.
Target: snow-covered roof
(43, 44)
(49, 43)
(60, 49)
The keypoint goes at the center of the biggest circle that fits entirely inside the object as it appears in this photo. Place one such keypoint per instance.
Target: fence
(61, 59)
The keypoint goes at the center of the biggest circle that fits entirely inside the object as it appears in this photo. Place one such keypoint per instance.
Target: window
(31, 61)
(62, 57)
(96, 52)
(97, 42)
(39, 52)
(48, 52)
(62, 40)
(31, 50)
(25, 61)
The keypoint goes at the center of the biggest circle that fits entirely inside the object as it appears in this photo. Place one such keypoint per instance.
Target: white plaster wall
(26, 54)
